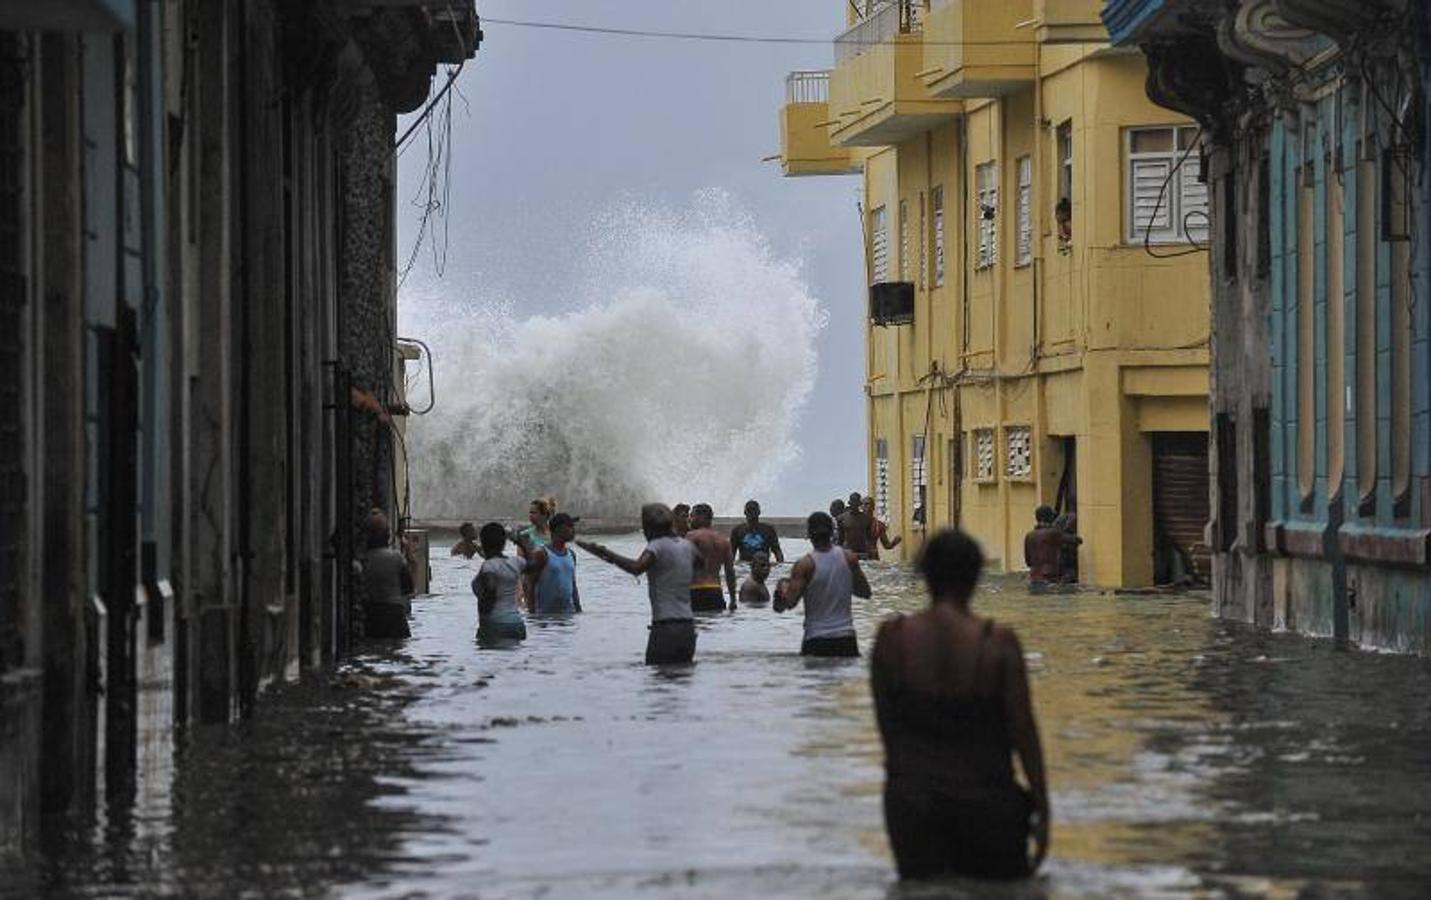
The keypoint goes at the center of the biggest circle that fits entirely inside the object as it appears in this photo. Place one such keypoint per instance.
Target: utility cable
(727, 38)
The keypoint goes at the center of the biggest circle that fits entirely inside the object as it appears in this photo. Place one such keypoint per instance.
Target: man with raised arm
(669, 564)
(716, 555)
(826, 578)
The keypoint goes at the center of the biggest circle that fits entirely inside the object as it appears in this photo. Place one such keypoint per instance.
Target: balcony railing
(884, 20)
(808, 87)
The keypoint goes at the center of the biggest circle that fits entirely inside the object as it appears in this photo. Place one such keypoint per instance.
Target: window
(936, 200)
(881, 485)
(984, 453)
(879, 245)
(986, 180)
(904, 256)
(1023, 254)
(1167, 201)
(1065, 161)
(918, 478)
(1018, 450)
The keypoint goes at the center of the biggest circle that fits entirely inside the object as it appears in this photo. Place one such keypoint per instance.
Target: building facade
(1036, 237)
(197, 363)
(1313, 123)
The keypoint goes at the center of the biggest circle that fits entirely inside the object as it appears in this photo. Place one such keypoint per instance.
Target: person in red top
(1043, 550)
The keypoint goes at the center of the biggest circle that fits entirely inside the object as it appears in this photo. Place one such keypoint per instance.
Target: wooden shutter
(879, 245)
(1151, 218)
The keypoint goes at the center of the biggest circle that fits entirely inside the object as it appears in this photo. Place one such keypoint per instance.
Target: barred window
(918, 477)
(879, 245)
(881, 485)
(937, 201)
(1023, 254)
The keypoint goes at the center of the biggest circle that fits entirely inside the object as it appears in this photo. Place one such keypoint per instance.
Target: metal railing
(808, 87)
(883, 21)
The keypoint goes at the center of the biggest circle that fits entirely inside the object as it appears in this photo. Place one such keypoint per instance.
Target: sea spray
(678, 374)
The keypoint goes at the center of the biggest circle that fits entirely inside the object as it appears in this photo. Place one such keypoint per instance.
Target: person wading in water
(861, 532)
(754, 536)
(716, 555)
(387, 583)
(825, 578)
(952, 699)
(552, 569)
(468, 546)
(1043, 550)
(499, 620)
(681, 519)
(669, 564)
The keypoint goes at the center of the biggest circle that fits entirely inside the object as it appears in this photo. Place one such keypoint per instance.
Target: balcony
(1070, 21)
(979, 48)
(876, 95)
(805, 147)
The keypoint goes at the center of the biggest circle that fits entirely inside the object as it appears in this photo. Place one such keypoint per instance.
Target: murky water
(1187, 757)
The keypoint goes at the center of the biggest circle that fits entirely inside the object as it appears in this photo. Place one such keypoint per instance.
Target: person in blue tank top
(553, 568)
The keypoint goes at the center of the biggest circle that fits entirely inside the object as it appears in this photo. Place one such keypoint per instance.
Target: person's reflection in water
(952, 697)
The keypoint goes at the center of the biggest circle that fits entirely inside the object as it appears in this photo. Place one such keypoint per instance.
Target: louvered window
(936, 200)
(986, 180)
(1167, 201)
(1024, 213)
(918, 477)
(904, 256)
(879, 245)
(881, 485)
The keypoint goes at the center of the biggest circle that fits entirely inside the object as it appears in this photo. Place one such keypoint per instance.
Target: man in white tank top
(669, 564)
(825, 578)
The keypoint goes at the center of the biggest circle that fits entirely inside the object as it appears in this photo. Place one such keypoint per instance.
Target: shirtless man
(469, 544)
(1043, 550)
(861, 533)
(715, 555)
(681, 519)
(753, 591)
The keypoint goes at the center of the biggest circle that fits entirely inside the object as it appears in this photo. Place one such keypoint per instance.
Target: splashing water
(678, 376)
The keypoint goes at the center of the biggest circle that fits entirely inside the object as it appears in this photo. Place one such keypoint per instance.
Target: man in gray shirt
(669, 564)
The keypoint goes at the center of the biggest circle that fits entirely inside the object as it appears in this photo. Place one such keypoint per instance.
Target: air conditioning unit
(892, 303)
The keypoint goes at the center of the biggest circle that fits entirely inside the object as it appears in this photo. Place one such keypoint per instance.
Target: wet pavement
(1187, 757)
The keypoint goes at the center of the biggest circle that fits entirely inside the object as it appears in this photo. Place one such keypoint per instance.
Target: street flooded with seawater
(1187, 757)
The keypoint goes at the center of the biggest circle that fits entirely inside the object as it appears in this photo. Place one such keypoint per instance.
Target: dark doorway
(1180, 508)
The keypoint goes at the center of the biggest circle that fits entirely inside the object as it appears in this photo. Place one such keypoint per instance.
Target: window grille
(1178, 212)
(1018, 448)
(1024, 251)
(879, 245)
(987, 211)
(1065, 161)
(936, 200)
(984, 454)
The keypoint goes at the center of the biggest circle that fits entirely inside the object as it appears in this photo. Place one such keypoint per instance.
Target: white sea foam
(678, 375)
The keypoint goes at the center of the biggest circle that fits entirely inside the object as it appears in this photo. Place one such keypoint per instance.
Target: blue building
(1314, 136)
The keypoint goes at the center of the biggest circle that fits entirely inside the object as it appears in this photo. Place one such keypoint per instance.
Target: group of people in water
(950, 688)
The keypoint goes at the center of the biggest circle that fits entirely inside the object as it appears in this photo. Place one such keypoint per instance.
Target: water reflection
(1186, 757)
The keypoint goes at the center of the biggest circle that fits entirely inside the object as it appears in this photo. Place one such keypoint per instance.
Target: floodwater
(1187, 757)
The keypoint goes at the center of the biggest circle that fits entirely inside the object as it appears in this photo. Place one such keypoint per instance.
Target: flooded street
(1187, 757)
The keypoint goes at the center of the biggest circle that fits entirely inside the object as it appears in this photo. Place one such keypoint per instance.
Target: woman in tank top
(952, 697)
(826, 578)
(496, 585)
(669, 564)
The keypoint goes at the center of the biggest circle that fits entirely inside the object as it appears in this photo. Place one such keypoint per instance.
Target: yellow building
(1017, 356)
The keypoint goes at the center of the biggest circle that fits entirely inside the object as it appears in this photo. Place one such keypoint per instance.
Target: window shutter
(904, 256)
(1193, 208)
(937, 201)
(993, 225)
(1148, 177)
(879, 246)
(1024, 250)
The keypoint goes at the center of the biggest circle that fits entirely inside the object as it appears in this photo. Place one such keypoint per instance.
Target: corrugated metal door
(1180, 497)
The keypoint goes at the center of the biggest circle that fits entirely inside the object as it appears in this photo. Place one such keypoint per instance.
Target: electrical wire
(1163, 192)
(710, 37)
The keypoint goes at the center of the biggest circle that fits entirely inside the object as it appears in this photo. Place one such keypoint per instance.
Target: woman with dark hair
(952, 697)
(387, 582)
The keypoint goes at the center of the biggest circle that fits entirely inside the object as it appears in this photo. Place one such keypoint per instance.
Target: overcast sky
(551, 129)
